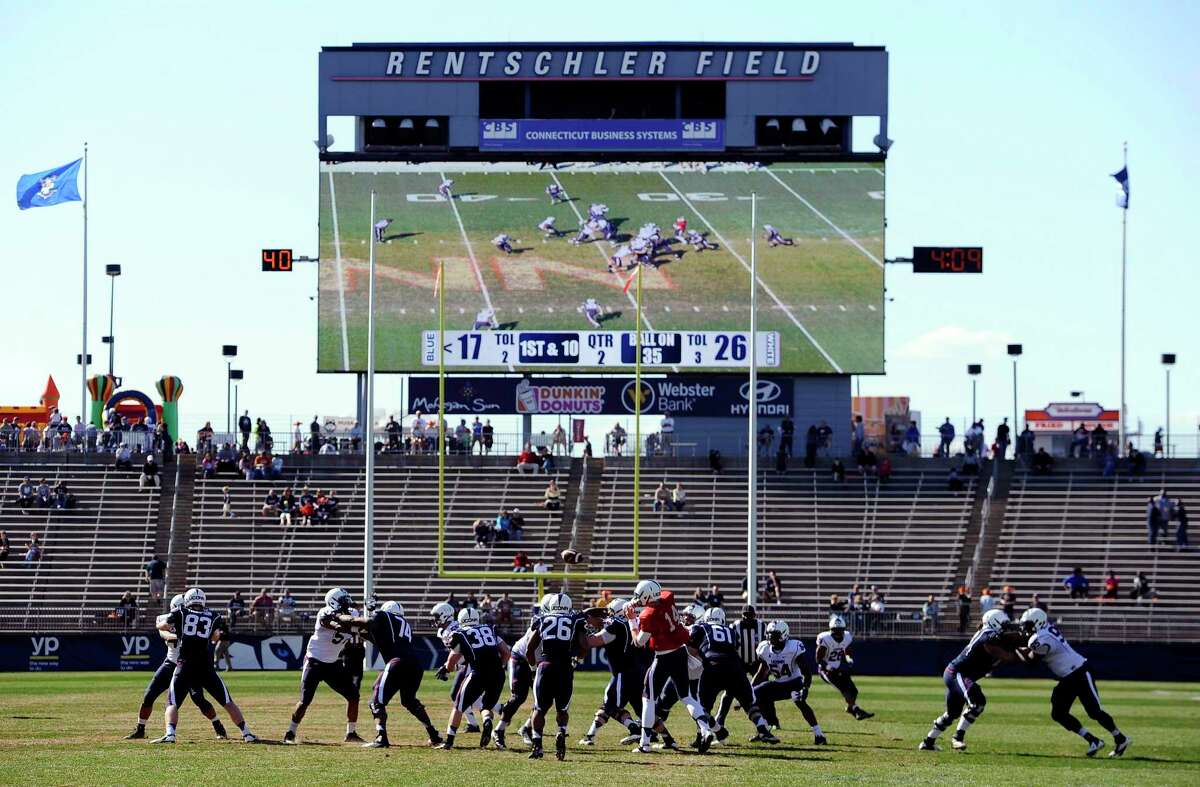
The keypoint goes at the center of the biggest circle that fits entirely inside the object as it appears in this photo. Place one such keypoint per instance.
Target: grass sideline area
(66, 728)
(825, 295)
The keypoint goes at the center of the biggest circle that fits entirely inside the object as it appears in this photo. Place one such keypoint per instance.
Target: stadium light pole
(112, 271)
(974, 370)
(1168, 360)
(229, 352)
(1014, 350)
(752, 423)
(369, 429)
(236, 375)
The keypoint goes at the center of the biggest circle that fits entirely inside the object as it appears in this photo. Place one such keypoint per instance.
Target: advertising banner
(592, 135)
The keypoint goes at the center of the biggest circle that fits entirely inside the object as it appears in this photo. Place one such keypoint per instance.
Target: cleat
(498, 740)
(641, 750)
(767, 737)
(435, 739)
(445, 746)
(928, 745)
(472, 728)
(1120, 746)
(587, 740)
(220, 733)
(958, 745)
(632, 737)
(706, 742)
(352, 737)
(249, 737)
(670, 745)
(485, 735)
(526, 734)
(819, 740)
(536, 754)
(380, 742)
(860, 715)
(1094, 746)
(138, 733)
(722, 734)
(697, 741)
(289, 738)
(560, 747)
(164, 739)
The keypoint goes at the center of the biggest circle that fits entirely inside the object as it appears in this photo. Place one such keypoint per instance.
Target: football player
(162, 680)
(618, 260)
(626, 666)
(520, 681)
(658, 628)
(403, 669)
(381, 227)
(556, 194)
(354, 652)
(591, 310)
(775, 239)
(782, 658)
(680, 228)
(444, 188)
(559, 639)
(716, 644)
(548, 229)
(698, 242)
(503, 243)
(323, 663)
(485, 319)
(476, 644)
(833, 664)
(196, 626)
(1075, 682)
(597, 211)
(445, 623)
(982, 654)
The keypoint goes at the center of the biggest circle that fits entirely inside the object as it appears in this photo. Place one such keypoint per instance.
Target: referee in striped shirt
(750, 633)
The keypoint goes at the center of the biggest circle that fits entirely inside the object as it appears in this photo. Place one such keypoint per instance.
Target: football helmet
(694, 611)
(468, 616)
(556, 603)
(443, 614)
(715, 615)
(392, 608)
(777, 632)
(617, 606)
(338, 599)
(836, 622)
(646, 591)
(194, 598)
(177, 602)
(994, 619)
(1034, 619)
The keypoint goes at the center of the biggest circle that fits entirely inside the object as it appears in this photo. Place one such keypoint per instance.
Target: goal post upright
(441, 441)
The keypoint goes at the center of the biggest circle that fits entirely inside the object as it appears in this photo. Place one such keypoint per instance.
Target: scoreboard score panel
(600, 349)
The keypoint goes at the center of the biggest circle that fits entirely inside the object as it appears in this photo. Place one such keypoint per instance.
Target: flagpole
(83, 356)
(1124, 225)
(752, 422)
(369, 427)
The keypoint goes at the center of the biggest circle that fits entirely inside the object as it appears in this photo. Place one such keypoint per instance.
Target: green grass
(826, 283)
(66, 729)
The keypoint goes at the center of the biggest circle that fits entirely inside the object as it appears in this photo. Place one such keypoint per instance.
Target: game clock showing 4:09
(947, 259)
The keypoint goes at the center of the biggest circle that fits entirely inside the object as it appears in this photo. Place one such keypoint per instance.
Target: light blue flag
(51, 187)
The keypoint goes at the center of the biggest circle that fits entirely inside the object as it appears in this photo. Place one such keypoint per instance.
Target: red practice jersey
(681, 226)
(659, 621)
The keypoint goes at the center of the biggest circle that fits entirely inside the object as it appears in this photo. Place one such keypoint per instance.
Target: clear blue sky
(1007, 119)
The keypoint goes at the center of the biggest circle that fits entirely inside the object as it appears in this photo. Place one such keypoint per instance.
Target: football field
(66, 728)
(823, 295)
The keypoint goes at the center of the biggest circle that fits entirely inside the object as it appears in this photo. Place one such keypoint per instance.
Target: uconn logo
(500, 130)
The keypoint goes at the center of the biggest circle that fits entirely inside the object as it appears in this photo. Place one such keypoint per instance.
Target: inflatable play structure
(134, 404)
(39, 413)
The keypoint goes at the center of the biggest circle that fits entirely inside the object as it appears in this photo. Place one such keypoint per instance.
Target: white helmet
(338, 599)
(468, 616)
(556, 603)
(646, 591)
(194, 597)
(177, 602)
(777, 632)
(443, 614)
(392, 608)
(617, 606)
(715, 615)
(994, 619)
(1034, 618)
(694, 611)
(836, 622)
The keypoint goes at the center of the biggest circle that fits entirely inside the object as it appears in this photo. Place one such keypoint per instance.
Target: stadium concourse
(909, 537)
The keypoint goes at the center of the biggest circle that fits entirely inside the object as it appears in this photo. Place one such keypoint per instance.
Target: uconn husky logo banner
(579, 135)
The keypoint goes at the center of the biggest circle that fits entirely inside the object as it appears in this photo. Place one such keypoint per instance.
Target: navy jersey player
(503, 243)
(445, 624)
(982, 654)
(774, 238)
(783, 659)
(1075, 682)
(833, 664)
(548, 229)
(716, 644)
(559, 638)
(556, 194)
(627, 669)
(196, 627)
(323, 663)
(403, 669)
(520, 682)
(477, 645)
(354, 656)
(698, 242)
(162, 680)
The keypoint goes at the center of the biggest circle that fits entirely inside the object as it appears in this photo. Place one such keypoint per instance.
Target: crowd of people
(32, 495)
(31, 554)
(309, 506)
(508, 525)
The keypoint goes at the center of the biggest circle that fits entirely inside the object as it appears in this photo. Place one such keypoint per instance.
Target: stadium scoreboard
(600, 349)
(947, 259)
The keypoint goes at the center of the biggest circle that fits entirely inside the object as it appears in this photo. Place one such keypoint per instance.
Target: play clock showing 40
(600, 349)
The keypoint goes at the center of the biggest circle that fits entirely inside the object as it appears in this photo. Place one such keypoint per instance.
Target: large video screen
(542, 266)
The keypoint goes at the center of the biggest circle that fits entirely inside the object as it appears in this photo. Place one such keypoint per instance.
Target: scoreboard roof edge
(669, 45)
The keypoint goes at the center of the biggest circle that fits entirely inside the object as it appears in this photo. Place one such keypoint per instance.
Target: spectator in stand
(520, 563)
(314, 434)
(1153, 520)
(263, 609)
(1009, 599)
(781, 461)
(546, 461)
(204, 437)
(825, 438)
(811, 443)
(964, 608)
(502, 529)
(678, 497)
(226, 503)
(558, 441)
(1025, 442)
(516, 525)
(307, 508)
(700, 596)
(504, 608)
(616, 440)
(837, 605)
(884, 468)
(1003, 437)
(470, 602)
(1099, 439)
(839, 471)
(329, 448)
(149, 475)
(1076, 583)
(488, 434)
(244, 425)
(126, 609)
(1181, 526)
(1042, 462)
(552, 497)
(930, 612)
(527, 462)
(1036, 603)
(954, 481)
(987, 602)
(227, 459)
(26, 493)
(858, 435)
(912, 439)
(156, 574)
(1142, 589)
(285, 610)
(1079, 442)
(1112, 585)
(714, 461)
(33, 549)
(715, 597)
(236, 608)
(123, 459)
(604, 599)
(208, 466)
(867, 462)
(328, 509)
(44, 495)
(271, 504)
(1136, 460)
(483, 533)
(63, 499)
(393, 431)
(774, 587)
(5, 546)
(662, 497)
(287, 507)
(946, 432)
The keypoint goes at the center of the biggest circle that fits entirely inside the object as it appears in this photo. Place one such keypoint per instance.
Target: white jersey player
(834, 661)
(485, 319)
(591, 310)
(782, 658)
(619, 258)
(556, 194)
(548, 229)
(774, 238)
(587, 232)
(1075, 682)
(381, 227)
(698, 242)
(445, 189)
(503, 243)
(597, 211)
(323, 664)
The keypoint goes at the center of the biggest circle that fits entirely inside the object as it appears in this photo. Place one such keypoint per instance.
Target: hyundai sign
(593, 135)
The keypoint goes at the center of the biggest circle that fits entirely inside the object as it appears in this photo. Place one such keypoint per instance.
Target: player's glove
(442, 673)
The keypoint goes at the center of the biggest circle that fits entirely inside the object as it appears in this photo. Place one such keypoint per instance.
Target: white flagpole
(1124, 224)
(752, 425)
(369, 428)
(83, 358)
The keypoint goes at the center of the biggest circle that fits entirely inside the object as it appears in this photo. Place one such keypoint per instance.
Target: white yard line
(600, 251)
(337, 255)
(487, 298)
(761, 283)
(825, 219)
